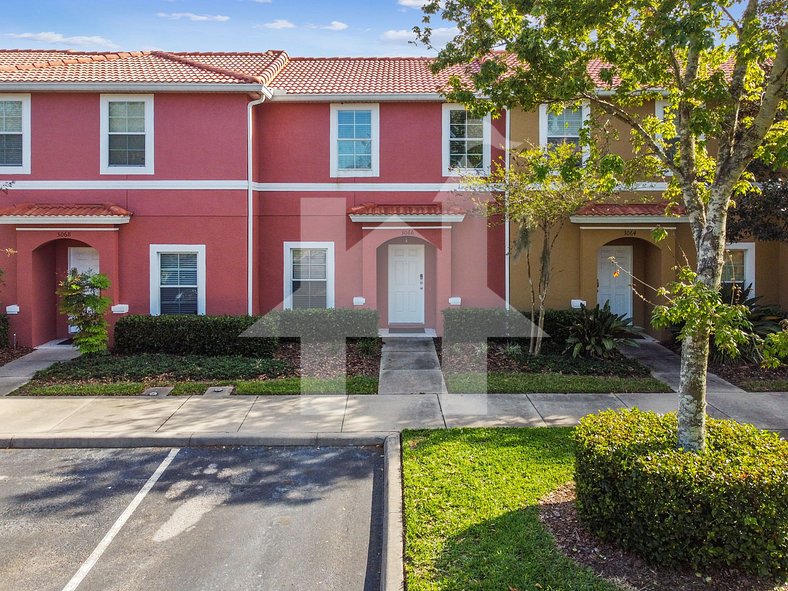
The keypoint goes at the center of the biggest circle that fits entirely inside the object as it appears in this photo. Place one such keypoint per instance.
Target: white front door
(406, 284)
(83, 259)
(614, 283)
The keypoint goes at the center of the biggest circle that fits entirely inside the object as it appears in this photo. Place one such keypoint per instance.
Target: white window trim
(659, 113)
(288, 274)
(155, 273)
(585, 114)
(749, 262)
(486, 138)
(25, 168)
(105, 168)
(374, 108)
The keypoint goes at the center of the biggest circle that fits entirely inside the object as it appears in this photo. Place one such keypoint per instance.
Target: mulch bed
(8, 354)
(738, 373)
(327, 363)
(558, 514)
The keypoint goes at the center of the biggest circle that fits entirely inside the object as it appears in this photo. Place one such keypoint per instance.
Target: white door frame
(419, 313)
(624, 278)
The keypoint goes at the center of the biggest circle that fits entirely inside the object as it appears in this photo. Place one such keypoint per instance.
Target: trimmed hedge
(192, 335)
(3, 330)
(326, 325)
(727, 506)
(479, 324)
(222, 335)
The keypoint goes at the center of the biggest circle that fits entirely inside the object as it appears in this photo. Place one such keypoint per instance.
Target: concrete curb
(392, 567)
(100, 440)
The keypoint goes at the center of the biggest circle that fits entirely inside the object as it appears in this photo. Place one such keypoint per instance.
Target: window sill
(127, 170)
(354, 173)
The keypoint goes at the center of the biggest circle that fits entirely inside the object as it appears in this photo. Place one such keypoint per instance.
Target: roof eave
(286, 97)
(130, 87)
(21, 220)
(405, 218)
(627, 219)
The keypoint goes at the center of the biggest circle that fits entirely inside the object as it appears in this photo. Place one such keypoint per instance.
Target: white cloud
(440, 35)
(335, 26)
(219, 18)
(413, 3)
(53, 38)
(279, 23)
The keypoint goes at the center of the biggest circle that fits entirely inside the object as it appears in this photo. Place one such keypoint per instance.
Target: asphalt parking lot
(191, 519)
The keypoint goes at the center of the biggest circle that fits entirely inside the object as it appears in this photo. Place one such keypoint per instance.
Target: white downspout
(250, 202)
(507, 231)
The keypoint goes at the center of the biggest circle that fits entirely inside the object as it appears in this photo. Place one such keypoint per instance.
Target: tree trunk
(544, 283)
(692, 393)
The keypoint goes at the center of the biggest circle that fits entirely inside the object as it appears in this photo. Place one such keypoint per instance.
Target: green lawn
(504, 383)
(470, 511)
(354, 385)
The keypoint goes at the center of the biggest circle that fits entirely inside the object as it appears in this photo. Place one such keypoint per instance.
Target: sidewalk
(665, 365)
(19, 372)
(313, 416)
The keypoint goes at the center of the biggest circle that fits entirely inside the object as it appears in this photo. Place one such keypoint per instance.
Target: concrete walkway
(410, 366)
(665, 365)
(20, 371)
(315, 416)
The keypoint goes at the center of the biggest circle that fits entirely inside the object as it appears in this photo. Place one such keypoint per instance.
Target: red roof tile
(139, 67)
(63, 210)
(629, 209)
(420, 209)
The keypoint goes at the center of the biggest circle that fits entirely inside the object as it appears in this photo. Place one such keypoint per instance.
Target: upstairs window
(466, 142)
(127, 134)
(15, 134)
(355, 141)
(563, 127)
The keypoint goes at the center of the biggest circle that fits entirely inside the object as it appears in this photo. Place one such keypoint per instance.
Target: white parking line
(116, 527)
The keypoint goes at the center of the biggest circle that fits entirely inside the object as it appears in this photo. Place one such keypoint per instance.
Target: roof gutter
(264, 93)
(130, 87)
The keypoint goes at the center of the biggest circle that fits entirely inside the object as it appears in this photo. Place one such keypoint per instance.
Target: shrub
(137, 368)
(81, 300)
(325, 325)
(3, 330)
(598, 332)
(194, 335)
(726, 506)
(462, 325)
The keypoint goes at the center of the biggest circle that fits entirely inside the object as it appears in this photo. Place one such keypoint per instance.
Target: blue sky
(302, 27)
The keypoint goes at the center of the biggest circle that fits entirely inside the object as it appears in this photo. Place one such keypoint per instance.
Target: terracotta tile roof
(298, 75)
(628, 209)
(64, 210)
(140, 67)
(416, 209)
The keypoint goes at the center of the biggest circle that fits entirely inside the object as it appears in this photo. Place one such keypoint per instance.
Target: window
(15, 133)
(126, 134)
(355, 140)
(309, 275)
(177, 279)
(672, 144)
(563, 127)
(739, 266)
(466, 142)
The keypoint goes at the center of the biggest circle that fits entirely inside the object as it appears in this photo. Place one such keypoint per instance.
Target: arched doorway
(51, 262)
(628, 271)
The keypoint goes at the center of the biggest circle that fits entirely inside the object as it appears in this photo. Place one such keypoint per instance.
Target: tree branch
(624, 116)
(731, 124)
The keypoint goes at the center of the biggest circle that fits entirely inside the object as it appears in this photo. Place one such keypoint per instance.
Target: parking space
(177, 520)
